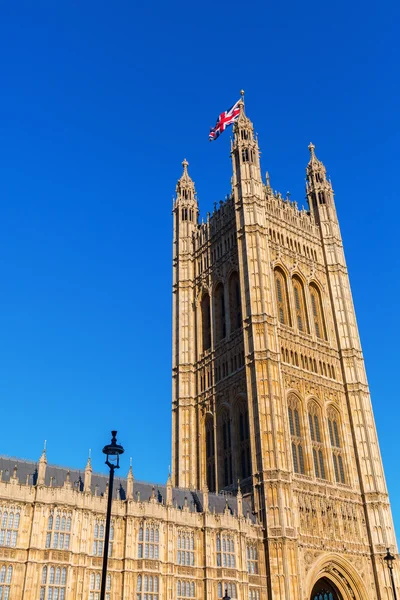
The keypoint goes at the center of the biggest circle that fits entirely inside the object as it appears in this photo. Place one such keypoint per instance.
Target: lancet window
(225, 551)
(58, 531)
(219, 311)
(226, 447)
(210, 453)
(53, 583)
(337, 452)
(296, 435)
(185, 548)
(316, 441)
(282, 298)
(185, 589)
(300, 305)
(227, 588)
(148, 541)
(95, 586)
(9, 519)
(6, 573)
(206, 322)
(98, 538)
(254, 594)
(252, 559)
(235, 310)
(244, 458)
(318, 317)
(147, 587)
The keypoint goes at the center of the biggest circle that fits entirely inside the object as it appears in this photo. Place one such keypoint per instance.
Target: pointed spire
(42, 466)
(67, 482)
(239, 499)
(88, 475)
(185, 178)
(129, 482)
(205, 498)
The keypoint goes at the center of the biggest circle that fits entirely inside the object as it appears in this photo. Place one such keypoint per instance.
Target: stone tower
(269, 383)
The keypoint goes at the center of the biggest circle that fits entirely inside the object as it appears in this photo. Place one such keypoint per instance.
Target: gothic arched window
(282, 298)
(296, 435)
(205, 322)
(337, 453)
(235, 310)
(317, 314)
(316, 440)
(148, 541)
(219, 312)
(242, 427)
(300, 305)
(210, 453)
(225, 445)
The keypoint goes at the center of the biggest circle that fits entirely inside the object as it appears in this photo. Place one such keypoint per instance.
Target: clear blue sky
(99, 105)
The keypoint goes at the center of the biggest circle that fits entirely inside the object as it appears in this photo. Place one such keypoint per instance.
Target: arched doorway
(325, 590)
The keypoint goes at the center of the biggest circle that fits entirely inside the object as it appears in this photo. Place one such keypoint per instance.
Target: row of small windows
(228, 242)
(53, 583)
(148, 584)
(185, 548)
(5, 581)
(95, 586)
(221, 308)
(185, 589)
(9, 519)
(57, 536)
(308, 363)
(299, 305)
(226, 367)
(293, 244)
(148, 542)
(248, 155)
(225, 552)
(317, 442)
(187, 214)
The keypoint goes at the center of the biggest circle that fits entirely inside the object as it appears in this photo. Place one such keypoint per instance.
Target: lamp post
(112, 452)
(389, 558)
(226, 597)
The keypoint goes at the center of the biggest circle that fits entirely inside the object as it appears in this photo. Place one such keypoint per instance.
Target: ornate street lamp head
(389, 558)
(113, 451)
(226, 597)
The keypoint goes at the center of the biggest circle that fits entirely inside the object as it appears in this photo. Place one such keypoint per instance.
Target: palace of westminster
(277, 489)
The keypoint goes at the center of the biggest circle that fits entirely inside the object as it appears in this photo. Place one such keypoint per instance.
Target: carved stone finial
(185, 164)
(311, 148)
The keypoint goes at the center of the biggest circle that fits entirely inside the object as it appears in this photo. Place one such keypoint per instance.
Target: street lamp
(389, 558)
(112, 452)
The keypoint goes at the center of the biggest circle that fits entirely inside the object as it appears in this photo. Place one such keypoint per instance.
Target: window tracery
(219, 309)
(227, 588)
(147, 587)
(98, 538)
(252, 559)
(9, 519)
(300, 305)
(95, 586)
(53, 583)
(336, 446)
(225, 551)
(148, 541)
(185, 589)
(317, 313)
(185, 548)
(58, 534)
(282, 298)
(296, 435)
(316, 441)
(6, 573)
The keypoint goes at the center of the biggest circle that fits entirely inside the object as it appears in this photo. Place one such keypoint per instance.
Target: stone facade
(269, 383)
(277, 488)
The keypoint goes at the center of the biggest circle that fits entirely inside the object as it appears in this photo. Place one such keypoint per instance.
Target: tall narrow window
(185, 554)
(316, 440)
(53, 583)
(225, 444)
(149, 585)
(235, 311)
(6, 573)
(58, 531)
(337, 453)
(206, 322)
(219, 311)
(242, 427)
(9, 522)
(227, 588)
(318, 317)
(300, 305)
(98, 538)
(148, 541)
(282, 298)
(295, 434)
(210, 453)
(252, 559)
(185, 589)
(225, 552)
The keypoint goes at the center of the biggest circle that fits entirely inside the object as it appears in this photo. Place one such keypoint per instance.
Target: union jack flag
(224, 120)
